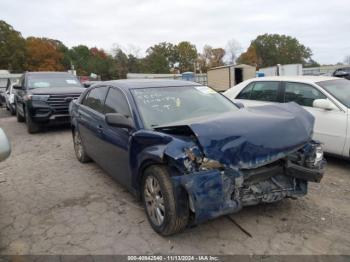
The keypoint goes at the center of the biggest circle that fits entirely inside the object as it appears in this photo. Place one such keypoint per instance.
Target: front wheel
(18, 115)
(160, 203)
(79, 148)
(12, 110)
(32, 127)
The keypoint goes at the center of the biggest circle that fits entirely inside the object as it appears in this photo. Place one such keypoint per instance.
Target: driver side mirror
(239, 104)
(17, 87)
(119, 120)
(324, 104)
(5, 148)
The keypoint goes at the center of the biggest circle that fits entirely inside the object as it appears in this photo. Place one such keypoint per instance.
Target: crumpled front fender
(210, 192)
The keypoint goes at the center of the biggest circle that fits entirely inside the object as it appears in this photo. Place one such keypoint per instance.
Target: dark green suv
(44, 97)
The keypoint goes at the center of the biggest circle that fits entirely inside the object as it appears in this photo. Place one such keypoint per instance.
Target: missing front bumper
(215, 193)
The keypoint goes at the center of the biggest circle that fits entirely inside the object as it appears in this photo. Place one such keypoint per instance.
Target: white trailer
(282, 70)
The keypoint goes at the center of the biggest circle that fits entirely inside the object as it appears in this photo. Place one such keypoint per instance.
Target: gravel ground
(52, 204)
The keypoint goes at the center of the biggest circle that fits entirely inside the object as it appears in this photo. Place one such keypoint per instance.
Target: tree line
(19, 54)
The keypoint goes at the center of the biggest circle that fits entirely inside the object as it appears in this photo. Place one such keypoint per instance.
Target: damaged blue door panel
(211, 193)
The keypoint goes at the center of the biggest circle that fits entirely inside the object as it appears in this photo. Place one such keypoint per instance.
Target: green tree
(121, 63)
(272, 49)
(66, 59)
(12, 49)
(160, 58)
(79, 56)
(134, 64)
(187, 56)
(102, 64)
(155, 63)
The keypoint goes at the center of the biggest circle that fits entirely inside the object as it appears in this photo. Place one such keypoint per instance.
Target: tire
(12, 111)
(32, 127)
(160, 204)
(18, 115)
(79, 149)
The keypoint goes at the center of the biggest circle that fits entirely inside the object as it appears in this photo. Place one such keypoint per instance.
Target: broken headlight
(314, 155)
(310, 156)
(196, 160)
(318, 155)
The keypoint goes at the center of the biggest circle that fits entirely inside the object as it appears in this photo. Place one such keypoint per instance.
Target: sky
(322, 25)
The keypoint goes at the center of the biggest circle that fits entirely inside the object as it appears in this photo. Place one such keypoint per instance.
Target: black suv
(44, 97)
(343, 72)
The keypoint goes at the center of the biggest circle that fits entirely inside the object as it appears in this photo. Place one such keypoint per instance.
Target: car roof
(143, 83)
(303, 79)
(47, 73)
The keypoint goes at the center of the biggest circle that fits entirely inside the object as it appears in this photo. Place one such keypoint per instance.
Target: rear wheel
(32, 127)
(160, 203)
(79, 148)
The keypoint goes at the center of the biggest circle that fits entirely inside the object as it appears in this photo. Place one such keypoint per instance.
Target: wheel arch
(141, 172)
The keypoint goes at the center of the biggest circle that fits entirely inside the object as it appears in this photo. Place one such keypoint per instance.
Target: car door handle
(100, 129)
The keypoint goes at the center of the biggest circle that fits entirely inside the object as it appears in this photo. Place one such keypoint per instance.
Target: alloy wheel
(154, 200)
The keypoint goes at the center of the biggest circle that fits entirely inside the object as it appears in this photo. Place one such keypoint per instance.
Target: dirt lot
(52, 204)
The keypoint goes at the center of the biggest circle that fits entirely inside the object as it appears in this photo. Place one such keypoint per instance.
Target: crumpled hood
(252, 137)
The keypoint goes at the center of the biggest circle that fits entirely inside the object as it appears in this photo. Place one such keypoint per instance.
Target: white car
(10, 99)
(327, 98)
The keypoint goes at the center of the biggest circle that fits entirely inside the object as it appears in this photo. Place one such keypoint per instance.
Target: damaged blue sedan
(190, 153)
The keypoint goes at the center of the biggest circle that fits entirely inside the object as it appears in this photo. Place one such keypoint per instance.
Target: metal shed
(223, 77)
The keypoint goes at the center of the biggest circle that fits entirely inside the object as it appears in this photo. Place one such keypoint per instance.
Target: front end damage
(221, 171)
(220, 191)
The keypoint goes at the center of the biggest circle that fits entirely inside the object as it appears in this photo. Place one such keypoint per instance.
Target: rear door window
(265, 91)
(95, 99)
(302, 94)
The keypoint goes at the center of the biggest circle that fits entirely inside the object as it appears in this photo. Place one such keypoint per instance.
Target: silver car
(5, 147)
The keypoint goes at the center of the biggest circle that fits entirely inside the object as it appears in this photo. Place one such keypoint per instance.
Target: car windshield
(166, 105)
(54, 80)
(339, 88)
